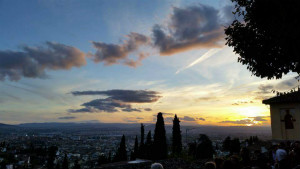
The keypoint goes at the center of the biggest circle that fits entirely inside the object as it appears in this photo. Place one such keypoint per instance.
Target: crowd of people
(281, 156)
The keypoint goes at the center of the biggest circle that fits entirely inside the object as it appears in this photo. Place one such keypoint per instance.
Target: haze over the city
(125, 61)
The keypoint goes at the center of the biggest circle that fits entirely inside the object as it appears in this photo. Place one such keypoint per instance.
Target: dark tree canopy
(76, 164)
(148, 146)
(65, 164)
(142, 135)
(135, 152)
(160, 142)
(268, 38)
(121, 154)
(141, 153)
(176, 137)
(202, 149)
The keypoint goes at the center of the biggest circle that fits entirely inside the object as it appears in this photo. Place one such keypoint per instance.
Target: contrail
(202, 58)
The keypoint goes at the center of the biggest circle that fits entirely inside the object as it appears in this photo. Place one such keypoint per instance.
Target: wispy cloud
(202, 58)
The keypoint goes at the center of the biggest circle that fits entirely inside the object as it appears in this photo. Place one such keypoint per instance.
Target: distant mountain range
(133, 128)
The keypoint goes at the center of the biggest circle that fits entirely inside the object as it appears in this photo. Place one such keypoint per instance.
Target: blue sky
(187, 85)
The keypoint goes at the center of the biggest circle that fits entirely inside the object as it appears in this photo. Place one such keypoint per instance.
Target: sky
(124, 61)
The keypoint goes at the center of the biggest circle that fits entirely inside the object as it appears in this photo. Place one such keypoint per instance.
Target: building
(285, 116)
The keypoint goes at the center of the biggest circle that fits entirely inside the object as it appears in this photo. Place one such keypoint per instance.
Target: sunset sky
(123, 61)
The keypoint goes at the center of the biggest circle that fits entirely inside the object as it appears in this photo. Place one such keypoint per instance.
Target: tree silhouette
(121, 153)
(268, 37)
(65, 164)
(76, 164)
(103, 160)
(141, 153)
(204, 148)
(51, 156)
(235, 146)
(176, 137)
(160, 149)
(135, 151)
(226, 143)
(57, 166)
(148, 146)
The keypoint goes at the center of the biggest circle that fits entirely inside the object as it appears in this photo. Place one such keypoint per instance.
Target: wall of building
(278, 127)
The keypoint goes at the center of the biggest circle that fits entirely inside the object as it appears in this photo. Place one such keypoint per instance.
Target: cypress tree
(160, 142)
(65, 164)
(141, 153)
(142, 135)
(176, 137)
(135, 152)
(149, 138)
(148, 146)
(122, 153)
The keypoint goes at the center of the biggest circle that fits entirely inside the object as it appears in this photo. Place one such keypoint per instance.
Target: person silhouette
(288, 120)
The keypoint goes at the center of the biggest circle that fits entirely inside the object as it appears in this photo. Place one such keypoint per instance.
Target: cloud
(243, 121)
(287, 84)
(202, 58)
(104, 105)
(130, 96)
(189, 28)
(139, 118)
(31, 62)
(188, 118)
(115, 53)
(202, 119)
(242, 102)
(67, 118)
(116, 100)
(167, 120)
(259, 118)
(265, 89)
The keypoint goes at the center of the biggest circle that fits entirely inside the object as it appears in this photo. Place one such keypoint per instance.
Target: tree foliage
(148, 146)
(202, 149)
(268, 37)
(176, 136)
(65, 164)
(121, 154)
(160, 148)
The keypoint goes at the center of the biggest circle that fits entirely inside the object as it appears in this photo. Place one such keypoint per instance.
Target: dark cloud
(265, 89)
(104, 105)
(131, 110)
(116, 53)
(67, 118)
(202, 119)
(260, 118)
(31, 62)
(139, 118)
(116, 100)
(189, 28)
(130, 96)
(188, 118)
(244, 121)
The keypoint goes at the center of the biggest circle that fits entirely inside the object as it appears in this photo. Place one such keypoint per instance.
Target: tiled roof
(293, 97)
